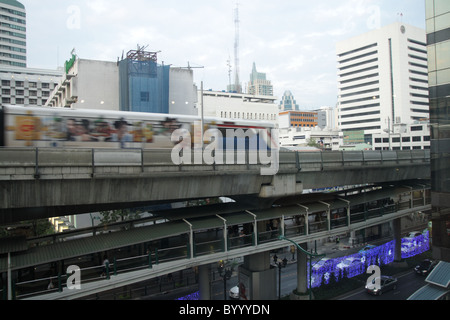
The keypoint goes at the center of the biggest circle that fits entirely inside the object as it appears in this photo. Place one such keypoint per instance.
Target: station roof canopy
(178, 222)
(93, 244)
(438, 282)
(440, 276)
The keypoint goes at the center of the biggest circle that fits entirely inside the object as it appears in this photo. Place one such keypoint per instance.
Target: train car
(84, 128)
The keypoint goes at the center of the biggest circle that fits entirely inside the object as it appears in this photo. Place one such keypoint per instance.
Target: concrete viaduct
(38, 182)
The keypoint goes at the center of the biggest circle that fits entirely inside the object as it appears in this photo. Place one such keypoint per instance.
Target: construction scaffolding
(144, 85)
(141, 62)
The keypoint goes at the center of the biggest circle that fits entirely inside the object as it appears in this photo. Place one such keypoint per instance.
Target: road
(288, 282)
(408, 283)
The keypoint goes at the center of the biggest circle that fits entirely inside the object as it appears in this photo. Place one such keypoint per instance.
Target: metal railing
(211, 241)
(33, 161)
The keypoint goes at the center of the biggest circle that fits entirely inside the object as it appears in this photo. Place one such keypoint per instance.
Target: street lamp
(310, 254)
(280, 264)
(226, 275)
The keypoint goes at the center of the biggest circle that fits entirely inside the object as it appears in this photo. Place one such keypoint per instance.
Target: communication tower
(237, 85)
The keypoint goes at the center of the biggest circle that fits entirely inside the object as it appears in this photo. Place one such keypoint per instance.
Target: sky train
(85, 128)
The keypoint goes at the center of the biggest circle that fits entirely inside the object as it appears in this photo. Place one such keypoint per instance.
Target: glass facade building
(13, 45)
(288, 102)
(438, 45)
(258, 84)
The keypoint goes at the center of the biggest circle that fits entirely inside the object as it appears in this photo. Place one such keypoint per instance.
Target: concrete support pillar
(302, 272)
(257, 280)
(204, 282)
(352, 239)
(396, 225)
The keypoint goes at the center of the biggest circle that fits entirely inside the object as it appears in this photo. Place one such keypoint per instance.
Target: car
(386, 283)
(425, 267)
(322, 263)
(408, 247)
(234, 292)
(348, 262)
(414, 234)
(366, 248)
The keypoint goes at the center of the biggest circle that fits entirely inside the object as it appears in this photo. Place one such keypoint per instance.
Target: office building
(13, 35)
(258, 84)
(87, 84)
(27, 86)
(438, 44)
(304, 138)
(404, 137)
(137, 83)
(20, 85)
(326, 117)
(289, 119)
(382, 80)
(144, 85)
(288, 102)
(238, 106)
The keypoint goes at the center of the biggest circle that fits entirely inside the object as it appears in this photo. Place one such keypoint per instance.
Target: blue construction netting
(144, 86)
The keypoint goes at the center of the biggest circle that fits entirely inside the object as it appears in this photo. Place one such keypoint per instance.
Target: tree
(313, 143)
(112, 216)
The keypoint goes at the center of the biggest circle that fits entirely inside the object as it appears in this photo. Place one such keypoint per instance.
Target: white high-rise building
(382, 80)
(13, 44)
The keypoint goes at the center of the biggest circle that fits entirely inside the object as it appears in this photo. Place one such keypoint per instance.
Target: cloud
(292, 41)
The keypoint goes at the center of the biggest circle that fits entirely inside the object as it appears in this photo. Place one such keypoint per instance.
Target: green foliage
(112, 216)
(313, 143)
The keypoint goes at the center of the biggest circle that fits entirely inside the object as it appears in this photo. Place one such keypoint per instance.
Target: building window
(145, 96)
(416, 128)
(406, 139)
(416, 138)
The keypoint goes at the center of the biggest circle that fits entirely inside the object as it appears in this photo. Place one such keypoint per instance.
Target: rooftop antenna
(189, 67)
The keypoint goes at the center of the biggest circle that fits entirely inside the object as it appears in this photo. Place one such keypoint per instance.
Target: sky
(292, 41)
